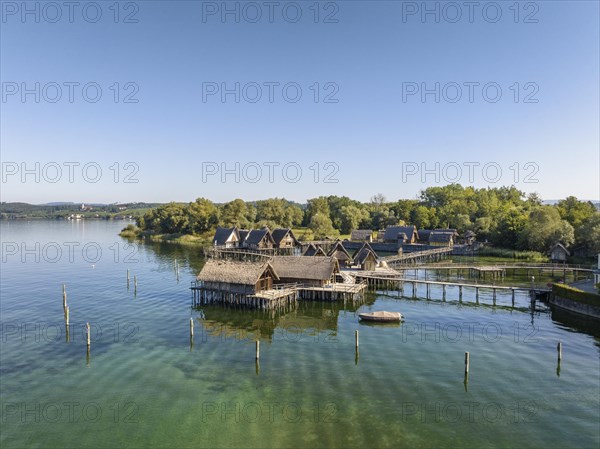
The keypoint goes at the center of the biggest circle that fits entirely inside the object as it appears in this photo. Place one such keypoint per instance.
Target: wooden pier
(429, 255)
(495, 271)
(395, 283)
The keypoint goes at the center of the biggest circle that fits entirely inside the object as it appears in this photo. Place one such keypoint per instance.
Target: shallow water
(144, 385)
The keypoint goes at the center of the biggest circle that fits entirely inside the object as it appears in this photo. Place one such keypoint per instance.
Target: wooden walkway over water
(501, 270)
(418, 256)
(397, 283)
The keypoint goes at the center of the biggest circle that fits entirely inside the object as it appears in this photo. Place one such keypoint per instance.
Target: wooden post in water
(559, 349)
(67, 316)
(356, 339)
(127, 277)
(191, 328)
(134, 284)
(64, 296)
(87, 334)
(257, 349)
(467, 363)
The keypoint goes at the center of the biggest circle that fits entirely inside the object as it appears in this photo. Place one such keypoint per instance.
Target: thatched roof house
(243, 234)
(365, 258)
(393, 234)
(238, 277)
(361, 235)
(558, 253)
(227, 237)
(259, 239)
(306, 270)
(313, 250)
(437, 238)
(340, 253)
(284, 238)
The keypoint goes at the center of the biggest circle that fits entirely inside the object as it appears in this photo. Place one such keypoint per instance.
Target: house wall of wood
(264, 283)
(558, 254)
(244, 289)
(287, 242)
(311, 282)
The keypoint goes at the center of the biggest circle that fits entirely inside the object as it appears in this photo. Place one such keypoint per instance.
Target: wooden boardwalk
(390, 282)
(418, 256)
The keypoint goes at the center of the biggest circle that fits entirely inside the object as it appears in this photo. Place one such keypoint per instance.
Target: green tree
(237, 213)
(588, 233)
(321, 226)
(203, 216)
(544, 228)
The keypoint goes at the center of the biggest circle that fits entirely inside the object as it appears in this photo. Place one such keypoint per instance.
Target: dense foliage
(503, 216)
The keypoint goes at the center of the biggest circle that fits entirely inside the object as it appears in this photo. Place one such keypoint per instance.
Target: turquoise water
(144, 385)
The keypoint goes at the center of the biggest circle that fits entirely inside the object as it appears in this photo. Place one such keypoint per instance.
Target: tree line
(504, 216)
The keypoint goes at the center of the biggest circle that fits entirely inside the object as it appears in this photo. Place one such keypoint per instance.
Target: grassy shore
(133, 232)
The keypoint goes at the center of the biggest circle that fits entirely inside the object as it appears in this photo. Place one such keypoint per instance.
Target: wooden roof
(392, 232)
(362, 254)
(255, 236)
(309, 268)
(313, 250)
(280, 233)
(232, 272)
(561, 247)
(443, 237)
(360, 234)
(339, 252)
(223, 234)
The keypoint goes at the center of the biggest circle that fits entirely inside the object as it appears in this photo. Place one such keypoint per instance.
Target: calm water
(144, 385)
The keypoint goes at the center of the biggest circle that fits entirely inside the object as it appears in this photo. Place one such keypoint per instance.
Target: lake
(144, 384)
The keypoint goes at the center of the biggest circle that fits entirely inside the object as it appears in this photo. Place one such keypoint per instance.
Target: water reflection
(313, 319)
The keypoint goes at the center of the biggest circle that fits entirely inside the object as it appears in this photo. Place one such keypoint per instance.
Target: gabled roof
(280, 233)
(440, 237)
(424, 234)
(360, 234)
(454, 232)
(560, 246)
(392, 232)
(339, 252)
(222, 235)
(243, 234)
(363, 254)
(255, 236)
(247, 273)
(313, 250)
(310, 268)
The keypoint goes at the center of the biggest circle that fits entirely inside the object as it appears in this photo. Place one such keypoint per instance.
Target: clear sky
(517, 99)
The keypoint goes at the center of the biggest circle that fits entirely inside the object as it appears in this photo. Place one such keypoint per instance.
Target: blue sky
(541, 134)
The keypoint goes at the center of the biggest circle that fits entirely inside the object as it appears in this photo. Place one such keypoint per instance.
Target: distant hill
(62, 210)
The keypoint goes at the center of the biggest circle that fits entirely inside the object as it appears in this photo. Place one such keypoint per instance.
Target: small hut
(469, 237)
(259, 239)
(393, 234)
(365, 258)
(341, 254)
(284, 238)
(313, 250)
(244, 278)
(441, 238)
(227, 237)
(361, 235)
(313, 271)
(558, 253)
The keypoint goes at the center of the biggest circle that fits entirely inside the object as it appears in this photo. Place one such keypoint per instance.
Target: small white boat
(382, 316)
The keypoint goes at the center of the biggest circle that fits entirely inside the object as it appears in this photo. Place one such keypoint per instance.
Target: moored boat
(381, 316)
